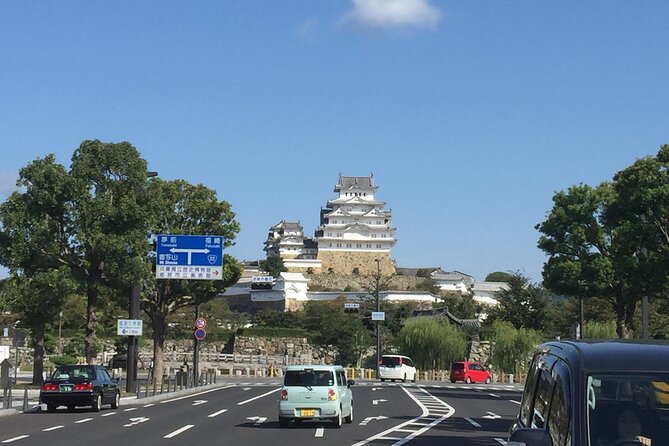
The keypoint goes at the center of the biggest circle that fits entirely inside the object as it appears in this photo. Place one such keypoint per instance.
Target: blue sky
(470, 115)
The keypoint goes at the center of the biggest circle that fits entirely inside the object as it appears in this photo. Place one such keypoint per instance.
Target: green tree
(499, 276)
(512, 347)
(523, 304)
(272, 265)
(182, 208)
(37, 299)
(432, 343)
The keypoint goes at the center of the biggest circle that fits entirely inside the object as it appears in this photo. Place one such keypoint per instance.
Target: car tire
(349, 419)
(488, 380)
(117, 401)
(283, 422)
(452, 381)
(51, 408)
(337, 420)
(70, 407)
(405, 378)
(97, 403)
(414, 377)
(468, 380)
(383, 380)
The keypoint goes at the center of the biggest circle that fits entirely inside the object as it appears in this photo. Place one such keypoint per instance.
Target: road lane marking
(376, 402)
(258, 420)
(149, 405)
(493, 395)
(49, 429)
(514, 401)
(135, 421)
(368, 419)
(259, 396)
(129, 409)
(500, 441)
(198, 402)
(472, 422)
(196, 394)
(108, 414)
(319, 432)
(11, 440)
(83, 420)
(178, 431)
(215, 414)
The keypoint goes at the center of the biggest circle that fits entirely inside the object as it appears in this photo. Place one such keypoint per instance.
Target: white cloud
(393, 14)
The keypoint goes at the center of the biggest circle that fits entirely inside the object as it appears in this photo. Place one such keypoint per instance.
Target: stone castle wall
(344, 262)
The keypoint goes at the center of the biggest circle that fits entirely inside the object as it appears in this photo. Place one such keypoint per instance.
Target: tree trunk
(622, 327)
(159, 330)
(38, 367)
(91, 318)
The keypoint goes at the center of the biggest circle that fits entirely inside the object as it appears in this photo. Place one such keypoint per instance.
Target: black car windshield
(627, 407)
(72, 373)
(390, 361)
(308, 378)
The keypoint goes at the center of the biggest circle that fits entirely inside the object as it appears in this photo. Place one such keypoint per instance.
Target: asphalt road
(244, 413)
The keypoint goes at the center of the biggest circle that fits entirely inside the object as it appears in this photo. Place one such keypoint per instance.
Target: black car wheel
(51, 408)
(97, 403)
(283, 422)
(117, 401)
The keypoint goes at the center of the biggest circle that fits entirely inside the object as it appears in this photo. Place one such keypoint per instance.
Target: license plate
(307, 412)
(65, 388)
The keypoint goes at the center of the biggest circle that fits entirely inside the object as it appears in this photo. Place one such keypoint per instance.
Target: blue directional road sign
(197, 257)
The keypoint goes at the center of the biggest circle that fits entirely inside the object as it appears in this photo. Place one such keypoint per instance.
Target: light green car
(316, 392)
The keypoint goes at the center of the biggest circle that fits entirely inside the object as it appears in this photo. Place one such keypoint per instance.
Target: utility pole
(131, 363)
(378, 308)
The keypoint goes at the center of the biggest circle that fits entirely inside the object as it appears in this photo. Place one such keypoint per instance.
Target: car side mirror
(530, 437)
(350, 382)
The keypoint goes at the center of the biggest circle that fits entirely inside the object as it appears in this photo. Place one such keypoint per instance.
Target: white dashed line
(217, 413)
(49, 429)
(11, 440)
(108, 414)
(178, 431)
(319, 432)
(83, 420)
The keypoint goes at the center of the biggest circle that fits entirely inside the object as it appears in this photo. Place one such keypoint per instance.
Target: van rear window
(309, 378)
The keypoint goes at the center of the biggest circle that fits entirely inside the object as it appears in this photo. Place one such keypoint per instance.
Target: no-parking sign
(200, 334)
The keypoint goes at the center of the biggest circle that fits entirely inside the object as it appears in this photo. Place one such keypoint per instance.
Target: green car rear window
(309, 378)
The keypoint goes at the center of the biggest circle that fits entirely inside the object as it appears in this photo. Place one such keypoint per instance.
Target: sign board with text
(129, 327)
(378, 316)
(192, 257)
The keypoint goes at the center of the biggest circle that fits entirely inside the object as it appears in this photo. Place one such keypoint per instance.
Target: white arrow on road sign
(189, 252)
(135, 421)
(376, 402)
(368, 419)
(258, 420)
(492, 416)
(198, 402)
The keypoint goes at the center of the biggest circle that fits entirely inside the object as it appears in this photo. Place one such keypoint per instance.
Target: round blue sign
(200, 333)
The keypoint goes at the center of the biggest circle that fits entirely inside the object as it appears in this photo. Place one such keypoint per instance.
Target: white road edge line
(10, 440)
(259, 396)
(197, 394)
(217, 413)
(178, 431)
(472, 422)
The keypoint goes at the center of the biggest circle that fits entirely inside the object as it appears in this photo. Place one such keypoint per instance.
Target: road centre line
(49, 429)
(178, 431)
(11, 440)
(197, 394)
(472, 422)
(259, 396)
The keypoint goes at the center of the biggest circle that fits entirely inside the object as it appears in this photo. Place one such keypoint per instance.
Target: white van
(315, 392)
(397, 367)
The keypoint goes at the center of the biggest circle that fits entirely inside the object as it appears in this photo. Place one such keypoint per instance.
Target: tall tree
(179, 207)
(272, 265)
(523, 304)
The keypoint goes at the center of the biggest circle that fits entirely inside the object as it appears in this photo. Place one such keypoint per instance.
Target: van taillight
(84, 386)
(50, 387)
(332, 396)
(284, 394)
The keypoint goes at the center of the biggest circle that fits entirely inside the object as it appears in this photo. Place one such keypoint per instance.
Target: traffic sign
(193, 257)
(200, 322)
(378, 316)
(200, 334)
(129, 327)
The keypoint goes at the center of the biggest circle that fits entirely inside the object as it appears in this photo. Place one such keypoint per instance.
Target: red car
(469, 371)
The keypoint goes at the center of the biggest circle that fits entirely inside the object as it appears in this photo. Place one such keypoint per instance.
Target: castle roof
(350, 183)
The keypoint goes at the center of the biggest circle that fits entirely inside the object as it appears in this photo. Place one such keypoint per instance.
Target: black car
(598, 393)
(80, 385)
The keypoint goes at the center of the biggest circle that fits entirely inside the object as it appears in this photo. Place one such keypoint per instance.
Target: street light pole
(60, 339)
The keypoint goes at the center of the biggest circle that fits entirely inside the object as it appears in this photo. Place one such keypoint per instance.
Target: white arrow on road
(198, 402)
(136, 421)
(189, 252)
(374, 389)
(368, 419)
(376, 402)
(258, 420)
(492, 416)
